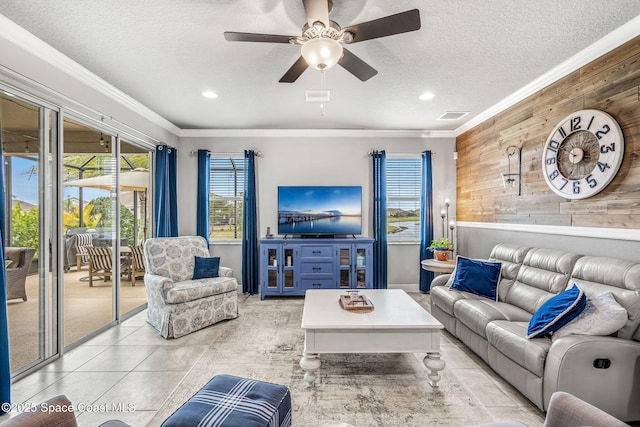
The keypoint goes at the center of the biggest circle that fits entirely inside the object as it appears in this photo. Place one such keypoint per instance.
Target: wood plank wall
(612, 84)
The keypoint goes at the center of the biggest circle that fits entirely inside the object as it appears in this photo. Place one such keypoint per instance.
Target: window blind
(226, 186)
(403, 179)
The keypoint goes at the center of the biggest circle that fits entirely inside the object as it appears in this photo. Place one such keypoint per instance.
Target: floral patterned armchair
(177, 304)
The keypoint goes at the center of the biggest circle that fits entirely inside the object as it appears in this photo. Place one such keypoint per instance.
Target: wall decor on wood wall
(582, 154)
(610, 83)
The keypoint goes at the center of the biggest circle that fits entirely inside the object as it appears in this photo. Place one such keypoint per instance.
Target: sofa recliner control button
(601, 363)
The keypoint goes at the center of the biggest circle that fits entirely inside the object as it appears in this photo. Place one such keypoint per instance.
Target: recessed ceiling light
(427, 96)
(209, 94)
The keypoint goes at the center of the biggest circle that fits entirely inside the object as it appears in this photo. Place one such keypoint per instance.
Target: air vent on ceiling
(453, 115)
(317, 95)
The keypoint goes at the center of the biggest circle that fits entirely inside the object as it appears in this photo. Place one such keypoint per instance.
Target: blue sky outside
(25, 184)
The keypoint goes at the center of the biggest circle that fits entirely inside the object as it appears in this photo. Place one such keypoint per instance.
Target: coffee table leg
(434, 364)
(310, 363)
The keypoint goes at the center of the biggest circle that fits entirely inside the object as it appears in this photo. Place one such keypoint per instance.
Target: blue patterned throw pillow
(206, 267)
(557, 312)
(477, 277)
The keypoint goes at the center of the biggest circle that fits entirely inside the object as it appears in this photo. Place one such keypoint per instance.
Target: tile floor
(142, 377)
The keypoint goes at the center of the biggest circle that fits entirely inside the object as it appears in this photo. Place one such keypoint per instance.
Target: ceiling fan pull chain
(322, 89)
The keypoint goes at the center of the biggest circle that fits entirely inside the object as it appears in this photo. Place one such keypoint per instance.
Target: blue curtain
(250, 266)
(379, 220)
(426, 220)
(166, 196)
(5, 363)
(202, 206)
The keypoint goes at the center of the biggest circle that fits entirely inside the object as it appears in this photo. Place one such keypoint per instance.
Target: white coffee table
(397, 325)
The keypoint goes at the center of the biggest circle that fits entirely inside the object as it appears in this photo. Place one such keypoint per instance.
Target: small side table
(438, 267)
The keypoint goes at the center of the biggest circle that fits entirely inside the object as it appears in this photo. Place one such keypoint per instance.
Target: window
(226, 187)
(404, 183)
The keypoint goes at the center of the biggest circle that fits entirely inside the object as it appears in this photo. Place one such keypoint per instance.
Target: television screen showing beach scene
(320, 210)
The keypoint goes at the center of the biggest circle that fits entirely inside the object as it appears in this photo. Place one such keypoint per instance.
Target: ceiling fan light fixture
(321, 53)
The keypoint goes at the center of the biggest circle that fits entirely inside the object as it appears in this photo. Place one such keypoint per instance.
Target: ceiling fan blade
(295, 71)
(317, 10)
(253, 37)
(356, 66)
(389, 25)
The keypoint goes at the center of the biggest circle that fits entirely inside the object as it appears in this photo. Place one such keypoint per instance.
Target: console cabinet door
(345, 267)
(362, 269)
(353, 266)
(278, 269)
(270, 280)
(289, 265)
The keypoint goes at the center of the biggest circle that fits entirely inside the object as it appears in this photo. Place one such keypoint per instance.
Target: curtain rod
(370, 153)
(195, 153)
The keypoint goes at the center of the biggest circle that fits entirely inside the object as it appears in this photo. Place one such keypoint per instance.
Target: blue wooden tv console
(291, 266)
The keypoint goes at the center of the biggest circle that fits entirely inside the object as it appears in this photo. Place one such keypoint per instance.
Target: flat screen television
(319, 210)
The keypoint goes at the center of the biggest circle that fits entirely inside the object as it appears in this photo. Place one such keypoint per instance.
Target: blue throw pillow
(557, 312)
(206, 267)
(477, 277)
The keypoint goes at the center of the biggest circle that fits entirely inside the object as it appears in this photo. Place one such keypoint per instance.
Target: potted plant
(440, 248)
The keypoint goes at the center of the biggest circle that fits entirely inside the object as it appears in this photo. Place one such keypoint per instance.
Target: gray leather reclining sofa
(602, 370)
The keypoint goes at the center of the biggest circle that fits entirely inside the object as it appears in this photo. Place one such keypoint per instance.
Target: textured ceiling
(470, 54)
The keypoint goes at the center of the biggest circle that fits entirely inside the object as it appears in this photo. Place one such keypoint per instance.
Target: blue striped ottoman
(233, 402)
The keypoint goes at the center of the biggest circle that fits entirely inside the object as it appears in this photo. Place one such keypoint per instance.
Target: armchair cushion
(191, 290)
(206, 267)
(174, 257)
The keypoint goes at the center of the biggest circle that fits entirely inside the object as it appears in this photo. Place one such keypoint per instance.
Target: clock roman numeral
(563, 134)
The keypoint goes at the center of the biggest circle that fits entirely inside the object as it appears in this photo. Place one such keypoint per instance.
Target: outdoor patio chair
(17, 262)
(137, 263)
(82, 241)
(100, 264)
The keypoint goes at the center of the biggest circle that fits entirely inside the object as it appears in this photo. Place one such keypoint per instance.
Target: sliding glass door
(28, 133)
(134, 186)
(77, 209)
(90, 169)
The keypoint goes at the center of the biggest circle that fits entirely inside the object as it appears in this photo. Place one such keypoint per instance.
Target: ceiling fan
(322, 39)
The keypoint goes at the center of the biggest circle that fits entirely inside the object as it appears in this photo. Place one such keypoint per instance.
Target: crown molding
(606, 44)
(313, 133)
(20, 37)
(596, 232)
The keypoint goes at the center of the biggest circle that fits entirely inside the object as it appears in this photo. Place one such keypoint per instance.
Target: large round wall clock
(582, 154)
